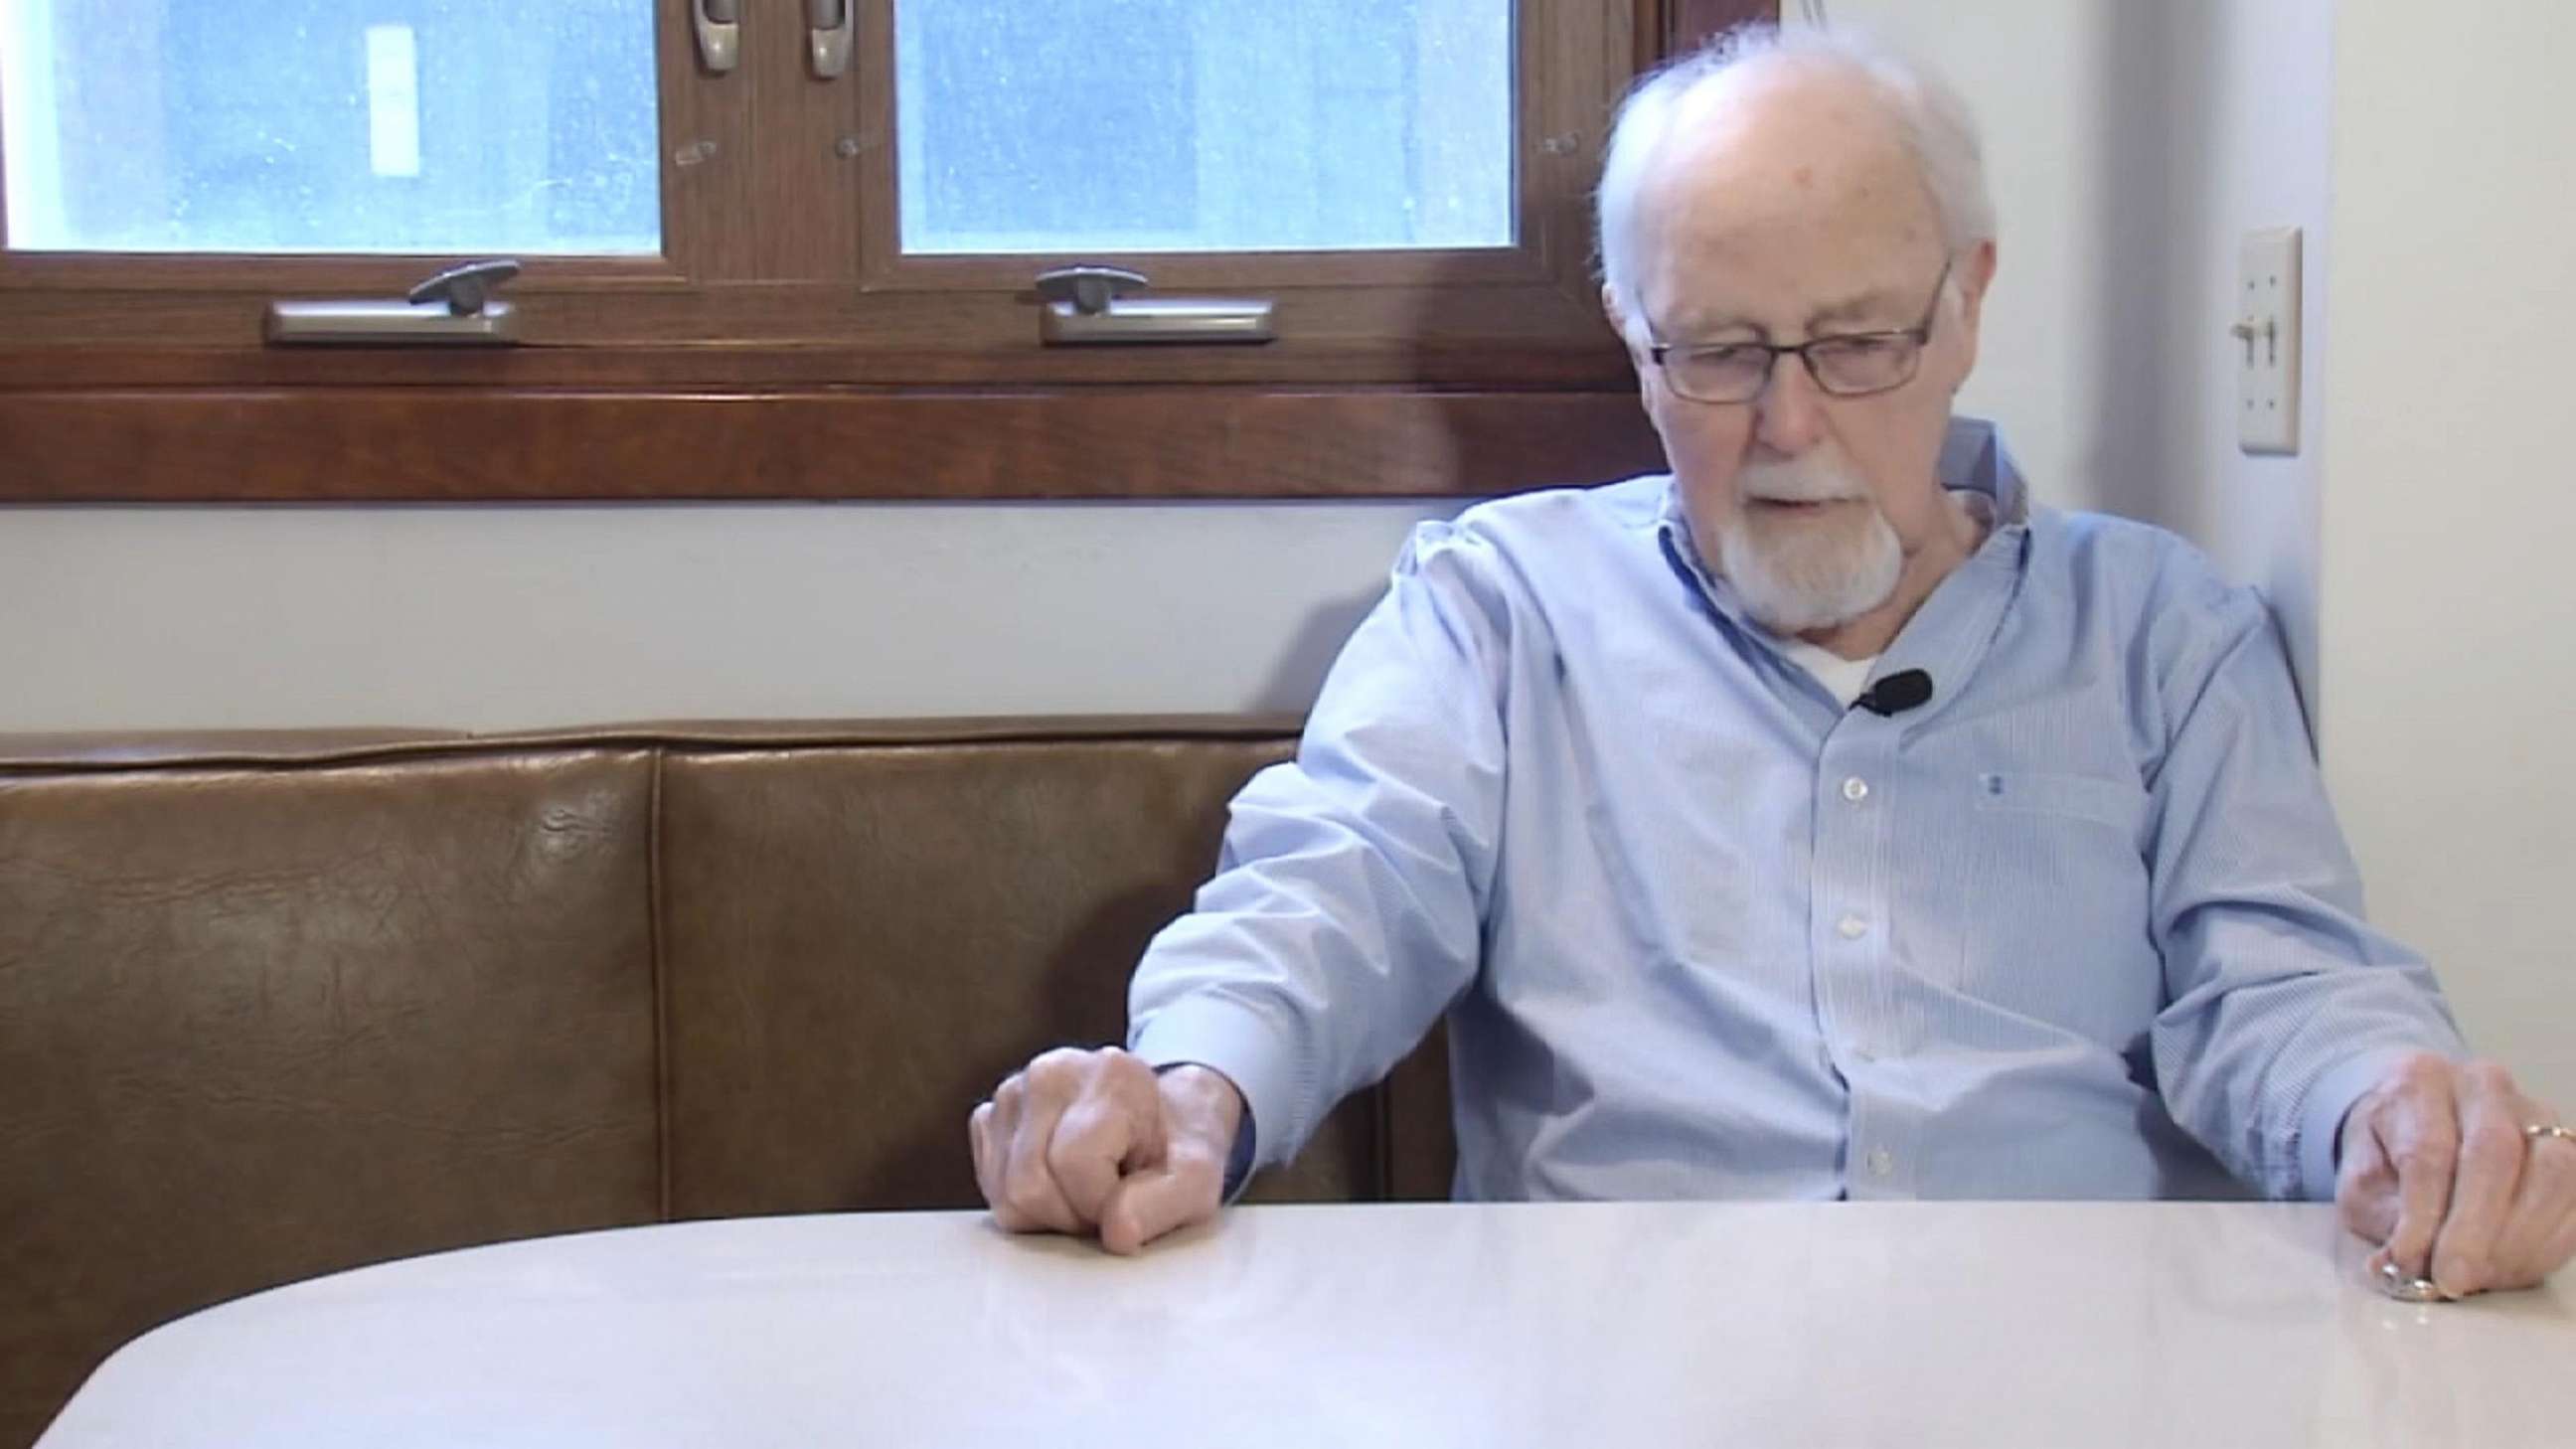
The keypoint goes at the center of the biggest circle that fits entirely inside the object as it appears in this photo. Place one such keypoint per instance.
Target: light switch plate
(2264, 341)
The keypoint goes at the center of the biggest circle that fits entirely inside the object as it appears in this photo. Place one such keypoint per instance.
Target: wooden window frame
(712, 371)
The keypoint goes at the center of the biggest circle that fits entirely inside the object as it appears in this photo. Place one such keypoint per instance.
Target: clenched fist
(1098, 1142)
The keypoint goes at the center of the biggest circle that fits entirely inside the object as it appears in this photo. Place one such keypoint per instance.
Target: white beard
(1798, 574)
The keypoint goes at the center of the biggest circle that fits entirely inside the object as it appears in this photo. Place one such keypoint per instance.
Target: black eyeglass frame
(1919, 335)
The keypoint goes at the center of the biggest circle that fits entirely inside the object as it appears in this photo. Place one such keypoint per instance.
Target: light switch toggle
(2267, 323)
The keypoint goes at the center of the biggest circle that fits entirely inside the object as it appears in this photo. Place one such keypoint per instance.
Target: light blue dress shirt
(2080, 926)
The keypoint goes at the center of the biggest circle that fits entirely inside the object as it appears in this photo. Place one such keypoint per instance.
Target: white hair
(1932, 119)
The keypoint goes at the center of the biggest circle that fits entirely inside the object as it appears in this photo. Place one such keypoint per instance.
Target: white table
(1609, 1324)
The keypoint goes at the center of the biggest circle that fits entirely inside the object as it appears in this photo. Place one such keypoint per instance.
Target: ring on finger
(2543, 1131)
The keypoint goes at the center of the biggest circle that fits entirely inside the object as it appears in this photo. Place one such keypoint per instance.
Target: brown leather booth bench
(278, 1005)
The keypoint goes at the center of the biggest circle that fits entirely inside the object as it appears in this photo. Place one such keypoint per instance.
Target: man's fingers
(1150, 1203)
(2418, 1128)
(979, 1134)
(1113, 1127)
(1030, 1200)
(2530, 1247)
(2366, 1187)
(1090, 1141)
(1001, 1123)
(2486, 1175)
(2561, 1246)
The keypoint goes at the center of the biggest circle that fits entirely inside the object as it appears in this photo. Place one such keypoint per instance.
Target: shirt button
(1852, 927)
(1881, 1161)
(1855, 789)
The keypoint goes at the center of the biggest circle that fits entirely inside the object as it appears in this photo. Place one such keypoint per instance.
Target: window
(1183, 125)
(786, 276)
(299, 126)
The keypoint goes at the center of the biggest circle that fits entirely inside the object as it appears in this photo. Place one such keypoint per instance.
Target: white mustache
(1803, 483)
(1826, 494)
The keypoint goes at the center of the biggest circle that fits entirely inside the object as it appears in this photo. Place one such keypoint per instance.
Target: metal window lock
(719, 26)
(455, 308)
(1095, 306)
(828, 33)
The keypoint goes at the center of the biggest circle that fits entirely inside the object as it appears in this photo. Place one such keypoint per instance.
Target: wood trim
(1690, 23)
(4, 177)
(1248, 271)
(1464, 366)
(1468, 366)
(999, 329)
(805, 192)
(273, 276)
(441, 444)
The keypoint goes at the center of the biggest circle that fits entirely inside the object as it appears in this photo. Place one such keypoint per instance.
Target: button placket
(1850, 922)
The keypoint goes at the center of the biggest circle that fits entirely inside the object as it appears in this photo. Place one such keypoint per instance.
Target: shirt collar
(1973, 458)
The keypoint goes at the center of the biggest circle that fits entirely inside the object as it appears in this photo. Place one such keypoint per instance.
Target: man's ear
(1610, 308)
(1637, 359)
(1975, 273)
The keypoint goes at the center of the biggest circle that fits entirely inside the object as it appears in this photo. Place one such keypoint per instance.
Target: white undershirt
(1842, 678)
(1845, 679)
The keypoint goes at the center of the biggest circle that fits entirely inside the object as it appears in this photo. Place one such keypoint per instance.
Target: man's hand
(2437, 1168)
(1095, 1141)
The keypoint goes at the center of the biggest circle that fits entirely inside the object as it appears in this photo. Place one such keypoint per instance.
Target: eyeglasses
(1849, 364)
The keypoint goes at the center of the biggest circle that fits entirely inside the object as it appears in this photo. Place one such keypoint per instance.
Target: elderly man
(1820, 821)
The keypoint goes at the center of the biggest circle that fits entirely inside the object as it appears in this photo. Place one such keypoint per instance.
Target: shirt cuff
(1239, 1042)
(1238, 1158)
(2329, 1102)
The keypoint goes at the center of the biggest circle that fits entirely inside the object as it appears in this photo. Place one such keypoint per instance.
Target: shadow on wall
(1619, 442)
(2153, 150)
(1299, 672)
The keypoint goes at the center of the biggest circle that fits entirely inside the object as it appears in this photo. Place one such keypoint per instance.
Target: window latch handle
(1095, 305)
(828, 27)
(1089, 290)
(719, 24)
(455, 308)
(466, 289)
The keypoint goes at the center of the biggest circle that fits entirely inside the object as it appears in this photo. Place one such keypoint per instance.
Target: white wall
(501, 618)
(2449, 601)
(2034, 71)
(2223, 114)
(2128, 144)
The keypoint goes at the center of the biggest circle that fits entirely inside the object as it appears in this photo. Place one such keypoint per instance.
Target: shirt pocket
(2120, 804)
(2050, 876)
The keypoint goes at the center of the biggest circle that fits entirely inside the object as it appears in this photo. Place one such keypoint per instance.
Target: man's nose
(1789, 415)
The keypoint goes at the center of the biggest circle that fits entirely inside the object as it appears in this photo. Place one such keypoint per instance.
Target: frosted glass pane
(1201, 125)
(438, 126)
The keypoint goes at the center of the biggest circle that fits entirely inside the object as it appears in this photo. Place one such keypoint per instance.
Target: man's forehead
(1782, 210)
(1696, 312)
(1782, 279)
(1803, 129)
